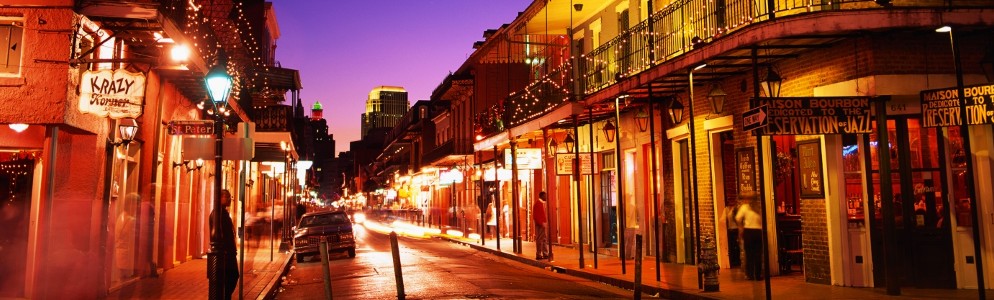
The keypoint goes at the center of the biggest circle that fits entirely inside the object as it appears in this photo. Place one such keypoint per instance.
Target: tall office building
(385, 107)
(324, 154)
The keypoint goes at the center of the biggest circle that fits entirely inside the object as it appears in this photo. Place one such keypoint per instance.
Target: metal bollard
(638, 267)
(327, 269)
(399, 277)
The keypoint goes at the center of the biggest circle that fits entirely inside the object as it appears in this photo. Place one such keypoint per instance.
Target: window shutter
(10, 54)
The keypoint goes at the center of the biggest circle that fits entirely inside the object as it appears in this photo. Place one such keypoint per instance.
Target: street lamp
(570, 142)
(771, 85)
(218, 83)
(127, 128)
(553, 147)
(676, 111)
(642, 119)
(609, 131)
(717, 98)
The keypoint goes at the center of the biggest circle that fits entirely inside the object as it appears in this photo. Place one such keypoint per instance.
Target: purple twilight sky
(344, 49)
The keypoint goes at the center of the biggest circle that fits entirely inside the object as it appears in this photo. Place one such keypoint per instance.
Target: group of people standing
(539, 217)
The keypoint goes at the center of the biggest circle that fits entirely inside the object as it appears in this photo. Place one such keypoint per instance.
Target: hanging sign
(448, 177)
(815, 115)
(745, 163)
(526, 159)
(564, 164)
(942, 107)
(116, 94)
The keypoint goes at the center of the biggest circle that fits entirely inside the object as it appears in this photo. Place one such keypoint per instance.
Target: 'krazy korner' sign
(116, 94)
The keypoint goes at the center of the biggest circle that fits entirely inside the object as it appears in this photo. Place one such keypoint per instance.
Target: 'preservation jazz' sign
(816, 115)
(942, 107)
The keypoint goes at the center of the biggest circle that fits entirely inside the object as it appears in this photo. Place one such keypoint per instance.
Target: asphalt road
(434, 269)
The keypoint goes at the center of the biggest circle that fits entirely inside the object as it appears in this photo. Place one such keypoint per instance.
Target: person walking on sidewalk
(226, 244)
(541, 236)
(751, 233)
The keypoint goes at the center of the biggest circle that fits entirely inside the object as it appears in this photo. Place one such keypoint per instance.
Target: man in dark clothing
(225, 238)
(541, 236)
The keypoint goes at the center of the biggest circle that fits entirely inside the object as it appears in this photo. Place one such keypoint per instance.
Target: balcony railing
(274, 118)
(665, 35)
(443, 150)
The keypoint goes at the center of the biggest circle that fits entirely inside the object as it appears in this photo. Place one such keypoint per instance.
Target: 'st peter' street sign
(193, 127)
(942, 107)
(816, 115)
(754, 118)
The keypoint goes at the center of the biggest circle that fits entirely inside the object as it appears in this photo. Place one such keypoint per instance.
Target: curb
(619, 283)
(272, 288)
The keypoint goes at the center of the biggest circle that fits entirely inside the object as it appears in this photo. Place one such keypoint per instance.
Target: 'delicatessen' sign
(815, 115)
(942, 107)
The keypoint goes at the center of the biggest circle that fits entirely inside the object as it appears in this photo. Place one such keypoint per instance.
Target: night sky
(344, 49)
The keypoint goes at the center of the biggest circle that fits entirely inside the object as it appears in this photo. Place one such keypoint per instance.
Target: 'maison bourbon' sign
(816, 115)
(116, 94)
(942, 107)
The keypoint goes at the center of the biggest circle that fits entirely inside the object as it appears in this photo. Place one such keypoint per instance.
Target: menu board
(745, 167)
(809, 159)
(564, 164)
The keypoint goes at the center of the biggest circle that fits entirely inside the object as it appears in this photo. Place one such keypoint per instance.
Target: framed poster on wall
(745, 169)
(809, 167)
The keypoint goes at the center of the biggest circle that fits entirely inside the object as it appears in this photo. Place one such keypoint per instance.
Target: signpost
(941, 107)
(811, 115)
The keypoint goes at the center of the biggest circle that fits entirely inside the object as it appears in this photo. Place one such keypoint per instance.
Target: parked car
(335, 227)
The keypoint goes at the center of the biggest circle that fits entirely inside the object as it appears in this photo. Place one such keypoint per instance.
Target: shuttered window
(10, 48)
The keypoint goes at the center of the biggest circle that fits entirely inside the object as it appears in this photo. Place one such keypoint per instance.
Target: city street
(434, 269)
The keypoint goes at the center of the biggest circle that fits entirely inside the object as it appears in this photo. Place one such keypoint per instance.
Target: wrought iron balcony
(667, 34)
(274, 118)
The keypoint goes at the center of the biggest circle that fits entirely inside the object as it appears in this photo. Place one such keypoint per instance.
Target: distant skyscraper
(385, 107)
(317, 111)
(324, 155)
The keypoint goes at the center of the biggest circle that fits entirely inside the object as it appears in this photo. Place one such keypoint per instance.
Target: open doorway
(726, 195)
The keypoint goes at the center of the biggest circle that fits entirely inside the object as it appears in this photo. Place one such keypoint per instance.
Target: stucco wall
(43, 92)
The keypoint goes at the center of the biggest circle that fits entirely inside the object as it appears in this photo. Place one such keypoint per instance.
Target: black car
(335, 227)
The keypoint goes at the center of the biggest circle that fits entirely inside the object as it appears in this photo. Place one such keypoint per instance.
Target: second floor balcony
(673, 31)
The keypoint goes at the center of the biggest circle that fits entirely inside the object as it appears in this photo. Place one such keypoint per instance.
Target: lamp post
(693, 174)
(619, 173)
(772, 83)
(219, 87)
(285, 188)
(965, 135)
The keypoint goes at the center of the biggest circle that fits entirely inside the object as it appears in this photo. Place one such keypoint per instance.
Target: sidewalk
(189, 280)
(679, 281)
